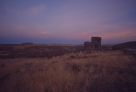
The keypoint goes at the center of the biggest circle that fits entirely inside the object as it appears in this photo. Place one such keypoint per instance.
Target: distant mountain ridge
(130, 45)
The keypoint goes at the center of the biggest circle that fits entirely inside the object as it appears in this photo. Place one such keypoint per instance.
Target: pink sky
(67, 21)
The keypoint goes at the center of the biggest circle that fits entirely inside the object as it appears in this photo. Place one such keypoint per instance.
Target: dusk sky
(67, 21)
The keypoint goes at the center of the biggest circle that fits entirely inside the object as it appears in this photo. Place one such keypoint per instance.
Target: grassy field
(109, 71)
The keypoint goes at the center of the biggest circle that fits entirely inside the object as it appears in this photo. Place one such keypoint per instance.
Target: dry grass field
(110, 71)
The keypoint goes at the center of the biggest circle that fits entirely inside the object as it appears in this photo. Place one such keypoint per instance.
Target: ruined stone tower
(94, 44)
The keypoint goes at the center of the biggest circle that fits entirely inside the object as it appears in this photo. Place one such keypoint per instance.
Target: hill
(125, 45)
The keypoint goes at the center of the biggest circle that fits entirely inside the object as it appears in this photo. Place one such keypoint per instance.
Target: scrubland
(108, 71)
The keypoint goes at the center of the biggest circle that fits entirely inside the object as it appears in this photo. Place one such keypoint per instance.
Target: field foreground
(75, 72)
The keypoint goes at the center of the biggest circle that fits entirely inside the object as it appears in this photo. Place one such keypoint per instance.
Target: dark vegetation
(33, 51)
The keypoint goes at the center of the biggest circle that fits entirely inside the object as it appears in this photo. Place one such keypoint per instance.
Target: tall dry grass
(75, 72)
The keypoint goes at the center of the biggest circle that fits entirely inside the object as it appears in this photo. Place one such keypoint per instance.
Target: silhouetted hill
(27, 43)
(130, 44)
